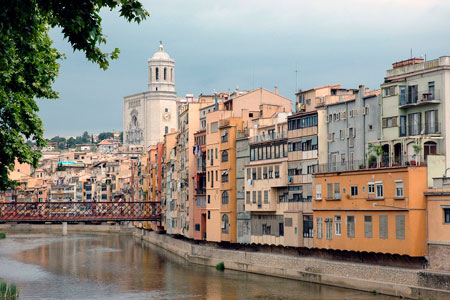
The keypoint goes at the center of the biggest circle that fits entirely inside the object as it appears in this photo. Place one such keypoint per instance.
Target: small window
(447, 215)
(318, 191)
(399, 189)
(266, 196)
(371, 188)
(209, 214)
(354, 190)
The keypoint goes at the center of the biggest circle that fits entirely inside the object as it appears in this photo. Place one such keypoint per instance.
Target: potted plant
(417, 149)
(376, 149)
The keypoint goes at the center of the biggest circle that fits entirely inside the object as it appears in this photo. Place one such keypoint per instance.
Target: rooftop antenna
(296, 79)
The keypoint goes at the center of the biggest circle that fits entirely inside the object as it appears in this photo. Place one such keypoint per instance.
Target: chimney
(276, 90)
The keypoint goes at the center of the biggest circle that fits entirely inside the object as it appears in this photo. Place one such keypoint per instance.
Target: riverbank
(400, 282)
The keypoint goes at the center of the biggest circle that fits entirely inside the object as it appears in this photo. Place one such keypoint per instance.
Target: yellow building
(371, 210)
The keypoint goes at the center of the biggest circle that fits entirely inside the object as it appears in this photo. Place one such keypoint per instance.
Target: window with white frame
(319, 228)
(379, 189)
(399, 188)
(318, 192)
(371, 188)
(337, 225)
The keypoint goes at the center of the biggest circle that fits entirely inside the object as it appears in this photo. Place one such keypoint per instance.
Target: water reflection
(108, 266)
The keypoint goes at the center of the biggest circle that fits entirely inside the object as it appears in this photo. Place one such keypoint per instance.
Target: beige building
(149, 115)
(233, 114)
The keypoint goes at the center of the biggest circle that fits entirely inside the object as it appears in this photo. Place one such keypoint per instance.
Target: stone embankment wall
(402, 282)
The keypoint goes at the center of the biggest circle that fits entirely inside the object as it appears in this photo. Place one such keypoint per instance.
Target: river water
(111, 266)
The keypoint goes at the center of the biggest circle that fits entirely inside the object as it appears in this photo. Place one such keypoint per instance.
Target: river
(112, 266)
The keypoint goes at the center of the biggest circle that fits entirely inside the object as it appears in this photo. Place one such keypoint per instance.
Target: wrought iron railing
(79, 211)
(380, 163)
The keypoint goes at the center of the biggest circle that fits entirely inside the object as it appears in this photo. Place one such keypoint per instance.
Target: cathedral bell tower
(161, 71)
(150, 115)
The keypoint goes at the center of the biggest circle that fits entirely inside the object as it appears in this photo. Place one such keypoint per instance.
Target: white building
(148, 116)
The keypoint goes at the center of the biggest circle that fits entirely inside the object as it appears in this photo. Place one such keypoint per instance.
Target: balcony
(418, 99)
(384, 163)
(268, 137)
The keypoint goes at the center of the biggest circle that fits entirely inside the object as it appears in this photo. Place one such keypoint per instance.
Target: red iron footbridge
(79, 211)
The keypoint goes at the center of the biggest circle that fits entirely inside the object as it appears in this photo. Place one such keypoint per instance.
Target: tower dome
(161, 70)
(161, 54)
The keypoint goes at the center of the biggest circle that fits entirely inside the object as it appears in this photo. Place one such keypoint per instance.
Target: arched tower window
(225, 198)
(166, 110)
(157, 73)
(225, 224)
(165, 74)
(224, 156)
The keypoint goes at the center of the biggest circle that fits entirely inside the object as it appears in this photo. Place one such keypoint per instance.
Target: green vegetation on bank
(8, 292)
(220, 266)
(2, 235)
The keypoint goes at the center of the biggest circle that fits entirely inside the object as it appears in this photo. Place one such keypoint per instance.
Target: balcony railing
(268, 137)
(383, 163)
(419, 129)
(420, 98)
(432, 128)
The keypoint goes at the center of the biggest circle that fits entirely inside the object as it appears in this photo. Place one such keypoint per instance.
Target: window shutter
(330, 191)
(394, 121)
(368, 226)
(384, 123)
(383, 226)
(400, 227)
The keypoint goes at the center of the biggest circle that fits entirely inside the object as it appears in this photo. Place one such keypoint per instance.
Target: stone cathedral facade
(148, 116)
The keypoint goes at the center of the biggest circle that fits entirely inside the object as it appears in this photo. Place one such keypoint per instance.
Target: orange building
(438, 224)
(372, 210)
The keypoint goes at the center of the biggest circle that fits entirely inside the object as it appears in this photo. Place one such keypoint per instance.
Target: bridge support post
(64, 228)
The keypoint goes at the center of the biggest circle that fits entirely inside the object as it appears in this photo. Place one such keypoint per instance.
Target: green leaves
(29, 64)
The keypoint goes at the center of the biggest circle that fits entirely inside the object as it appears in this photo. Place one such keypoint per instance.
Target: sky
(246, 44)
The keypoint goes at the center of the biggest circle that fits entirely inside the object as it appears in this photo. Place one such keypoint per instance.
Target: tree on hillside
(29, 64)
(85, 138)
(105, 135)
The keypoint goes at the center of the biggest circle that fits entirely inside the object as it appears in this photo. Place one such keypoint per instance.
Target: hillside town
(342, 168)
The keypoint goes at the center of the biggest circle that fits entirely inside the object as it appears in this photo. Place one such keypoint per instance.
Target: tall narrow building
(148, 116)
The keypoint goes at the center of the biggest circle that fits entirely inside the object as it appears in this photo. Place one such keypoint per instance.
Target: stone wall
(439, 255)
(409, 283)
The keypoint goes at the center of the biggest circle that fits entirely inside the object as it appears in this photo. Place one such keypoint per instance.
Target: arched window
(166, 130)
(225, 224)
(157, 73)
(225, 198)
(165, 74)
(224, 156)
(166, 110)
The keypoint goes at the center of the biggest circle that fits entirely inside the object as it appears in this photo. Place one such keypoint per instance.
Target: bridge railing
(80, 211)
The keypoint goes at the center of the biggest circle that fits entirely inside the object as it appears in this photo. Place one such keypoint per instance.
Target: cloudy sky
(220, 45)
